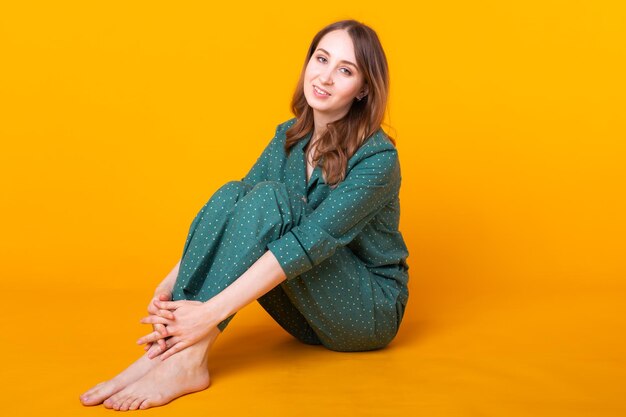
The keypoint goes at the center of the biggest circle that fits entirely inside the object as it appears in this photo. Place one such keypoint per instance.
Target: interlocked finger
(166, 305)
(155, 320)
(152, 337)
(171, 342)
(166, 314)
(161, 329)
(174, 349)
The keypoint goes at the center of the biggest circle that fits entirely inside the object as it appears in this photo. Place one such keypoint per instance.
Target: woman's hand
(163, 292)
(154, 348)
(186, 322)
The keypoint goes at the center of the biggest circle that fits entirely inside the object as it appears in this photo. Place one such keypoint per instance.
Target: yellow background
(119, 119)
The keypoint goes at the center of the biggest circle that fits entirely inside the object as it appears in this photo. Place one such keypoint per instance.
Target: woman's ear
(363, 92)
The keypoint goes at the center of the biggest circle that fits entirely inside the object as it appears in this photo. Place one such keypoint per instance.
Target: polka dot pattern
(341, 250)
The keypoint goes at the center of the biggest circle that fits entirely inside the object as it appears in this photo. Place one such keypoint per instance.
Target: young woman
(311, 232)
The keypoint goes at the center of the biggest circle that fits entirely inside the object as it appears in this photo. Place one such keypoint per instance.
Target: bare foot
(104, 390)
(183, 373)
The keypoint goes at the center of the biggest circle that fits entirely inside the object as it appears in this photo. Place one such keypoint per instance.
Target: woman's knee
(269, 207)
(267, 195)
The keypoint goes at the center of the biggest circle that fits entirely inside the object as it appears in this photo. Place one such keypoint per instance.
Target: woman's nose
(326, 77)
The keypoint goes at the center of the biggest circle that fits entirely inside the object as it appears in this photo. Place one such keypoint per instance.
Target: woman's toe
(108, 403)
(113, 401)
(118, 404)
(135, 404)
(126, 403)
(144, 404)
(89, 395)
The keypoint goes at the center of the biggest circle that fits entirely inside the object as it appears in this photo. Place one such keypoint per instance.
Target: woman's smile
(320, 92)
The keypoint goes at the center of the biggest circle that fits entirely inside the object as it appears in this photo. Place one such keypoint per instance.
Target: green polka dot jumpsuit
(340, 249)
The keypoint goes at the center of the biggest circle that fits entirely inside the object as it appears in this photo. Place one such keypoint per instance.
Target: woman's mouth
(319, 92)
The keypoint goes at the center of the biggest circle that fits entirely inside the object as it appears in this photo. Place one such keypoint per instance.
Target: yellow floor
(495, 355)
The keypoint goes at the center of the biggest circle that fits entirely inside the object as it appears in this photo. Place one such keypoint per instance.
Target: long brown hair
(343, 137)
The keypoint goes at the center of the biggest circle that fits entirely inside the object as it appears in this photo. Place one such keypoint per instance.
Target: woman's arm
(194, 320)
(373, 182)
(265, 274)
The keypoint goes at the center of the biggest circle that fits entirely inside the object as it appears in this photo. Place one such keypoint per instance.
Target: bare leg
(104, 390)
(183, 373)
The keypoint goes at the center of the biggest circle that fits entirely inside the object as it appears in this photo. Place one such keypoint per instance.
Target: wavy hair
(343, 137)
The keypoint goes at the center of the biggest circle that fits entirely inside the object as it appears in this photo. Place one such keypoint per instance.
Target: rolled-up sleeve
(371, 183)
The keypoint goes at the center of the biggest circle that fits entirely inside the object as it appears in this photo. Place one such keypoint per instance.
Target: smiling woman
(341, 95)
(311, 232)
(332, 81)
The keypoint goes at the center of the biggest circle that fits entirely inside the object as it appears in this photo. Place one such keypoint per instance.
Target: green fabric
(341, 250)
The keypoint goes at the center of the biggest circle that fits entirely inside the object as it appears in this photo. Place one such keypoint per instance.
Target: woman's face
(331, 79)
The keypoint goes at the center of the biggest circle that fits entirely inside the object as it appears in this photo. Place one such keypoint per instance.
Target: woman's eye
(324, 60)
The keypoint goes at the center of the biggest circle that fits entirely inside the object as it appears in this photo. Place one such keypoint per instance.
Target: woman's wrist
(265, 274)
(215, 311)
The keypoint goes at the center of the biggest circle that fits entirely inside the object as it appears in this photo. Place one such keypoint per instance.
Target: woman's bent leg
(225, 238)
(277, 304)
(230, 234)
(348, 307)
(339, 303)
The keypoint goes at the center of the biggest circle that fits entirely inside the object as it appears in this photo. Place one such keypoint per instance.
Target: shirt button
(304, 198)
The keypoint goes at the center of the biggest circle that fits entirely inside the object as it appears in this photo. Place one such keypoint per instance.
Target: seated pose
(311, 232)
